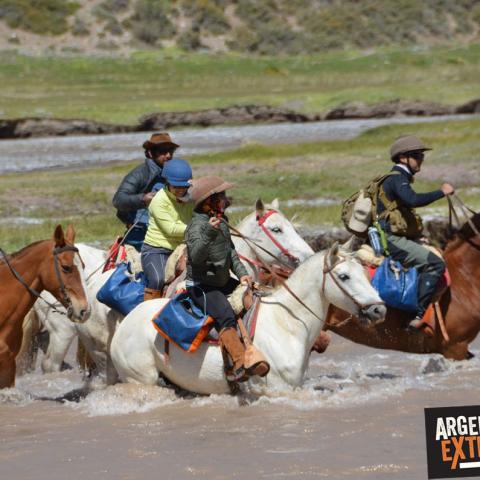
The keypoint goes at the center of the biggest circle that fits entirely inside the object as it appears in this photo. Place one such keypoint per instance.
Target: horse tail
(27, 356)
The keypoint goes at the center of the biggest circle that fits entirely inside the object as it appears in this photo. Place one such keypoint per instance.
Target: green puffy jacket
(211, 253)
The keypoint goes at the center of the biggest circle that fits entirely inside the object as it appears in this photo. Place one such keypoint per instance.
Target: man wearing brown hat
(140, 185)
(403, 227)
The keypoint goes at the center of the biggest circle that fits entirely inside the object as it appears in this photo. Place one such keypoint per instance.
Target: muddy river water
(359, 415)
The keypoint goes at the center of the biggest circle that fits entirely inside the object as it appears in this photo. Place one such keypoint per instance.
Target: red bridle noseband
(261, 223)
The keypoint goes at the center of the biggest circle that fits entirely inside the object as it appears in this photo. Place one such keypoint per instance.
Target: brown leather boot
(151, 294)
(235, 348)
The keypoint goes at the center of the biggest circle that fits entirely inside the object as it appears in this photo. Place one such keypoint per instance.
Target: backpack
(359, 209)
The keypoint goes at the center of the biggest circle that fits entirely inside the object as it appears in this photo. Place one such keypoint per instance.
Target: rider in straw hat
(170, 211)
(139, 186)
(211, 256)
(403, 227)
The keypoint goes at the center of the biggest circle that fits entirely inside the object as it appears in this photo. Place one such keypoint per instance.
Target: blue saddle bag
(397, 285)
(120, 292)
(183, 323)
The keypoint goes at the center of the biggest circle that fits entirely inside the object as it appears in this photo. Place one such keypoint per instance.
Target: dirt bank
(234, 115)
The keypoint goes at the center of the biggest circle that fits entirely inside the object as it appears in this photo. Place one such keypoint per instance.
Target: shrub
(206, 15)
(38, 16)
(190, 40)
(80, 28)
(150, 21)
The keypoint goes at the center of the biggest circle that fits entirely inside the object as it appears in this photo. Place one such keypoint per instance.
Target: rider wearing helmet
(139, 186)
(211, 256)
(170, 211)
(403, 227)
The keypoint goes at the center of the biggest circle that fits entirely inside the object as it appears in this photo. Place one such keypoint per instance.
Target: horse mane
(464, 234)
(24, 250)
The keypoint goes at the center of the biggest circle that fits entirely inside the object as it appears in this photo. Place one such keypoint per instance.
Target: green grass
(330, 170)
(119, 90)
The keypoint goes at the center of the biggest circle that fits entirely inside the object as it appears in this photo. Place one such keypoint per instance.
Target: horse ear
(348, 245)
(333, 254)
(259, 207)
(276, 204)
(70, 235)
(59, 237)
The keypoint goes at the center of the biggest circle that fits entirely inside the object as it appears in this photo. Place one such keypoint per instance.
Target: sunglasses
(163, 151)
(419, 156)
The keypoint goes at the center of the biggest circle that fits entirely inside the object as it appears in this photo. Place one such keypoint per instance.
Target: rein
(33, 292)
(452, 213)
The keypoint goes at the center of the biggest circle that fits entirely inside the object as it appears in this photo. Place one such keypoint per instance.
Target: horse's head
(346, 286)
(274, 233)
(62, 275)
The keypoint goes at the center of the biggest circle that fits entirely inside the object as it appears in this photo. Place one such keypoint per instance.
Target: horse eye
(276, 230)
(67, 269)
(344, 277)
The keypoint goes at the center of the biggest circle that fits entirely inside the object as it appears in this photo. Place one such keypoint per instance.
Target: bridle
(67, 301)
(327, 269)
(261, 223)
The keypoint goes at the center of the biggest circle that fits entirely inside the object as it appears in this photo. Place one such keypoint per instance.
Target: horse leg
(58, 345)
(456, 351)
(7, 366)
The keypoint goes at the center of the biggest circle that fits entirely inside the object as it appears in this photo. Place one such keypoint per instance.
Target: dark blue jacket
(398, 187)
(129, 195)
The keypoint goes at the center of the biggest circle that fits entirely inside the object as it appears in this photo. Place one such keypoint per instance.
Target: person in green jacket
(211, 256)
(170, 210)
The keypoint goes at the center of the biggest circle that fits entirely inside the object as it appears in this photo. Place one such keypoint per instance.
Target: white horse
(96, 333)
(267, 230)
(286, 329)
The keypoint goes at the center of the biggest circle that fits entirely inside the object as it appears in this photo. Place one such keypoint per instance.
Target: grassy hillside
(255, 26)
(323, 170)
(121, 89)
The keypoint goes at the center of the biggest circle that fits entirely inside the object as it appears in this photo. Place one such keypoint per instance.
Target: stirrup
(416, 325)
(239, 375)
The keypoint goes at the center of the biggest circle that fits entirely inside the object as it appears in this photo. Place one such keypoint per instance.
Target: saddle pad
(181, 322)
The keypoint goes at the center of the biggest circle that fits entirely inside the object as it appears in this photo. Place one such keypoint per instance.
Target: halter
(328, 269)
(261, 223)
(56, 251)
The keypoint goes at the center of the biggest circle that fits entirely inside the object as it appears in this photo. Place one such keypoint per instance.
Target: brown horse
(460, 306)
(47, 265)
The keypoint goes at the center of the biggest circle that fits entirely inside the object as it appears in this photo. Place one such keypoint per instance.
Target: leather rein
(56, 251)
(327, 270)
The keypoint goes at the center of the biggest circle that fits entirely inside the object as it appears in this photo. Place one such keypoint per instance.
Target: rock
(44, 127)
(323, 238)
(237, 114)
(389, 109)
(470, 107)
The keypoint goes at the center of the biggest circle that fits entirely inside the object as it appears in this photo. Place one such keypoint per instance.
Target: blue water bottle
(374, 238)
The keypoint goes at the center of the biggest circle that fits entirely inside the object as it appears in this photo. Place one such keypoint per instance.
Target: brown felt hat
(203, 187)
(407, 143)
(159, 140)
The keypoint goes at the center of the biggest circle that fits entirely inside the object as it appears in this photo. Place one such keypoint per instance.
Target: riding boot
(235, 348)
(151, 294)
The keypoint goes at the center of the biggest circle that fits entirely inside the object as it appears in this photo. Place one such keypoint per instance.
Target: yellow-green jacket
(168, 220)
